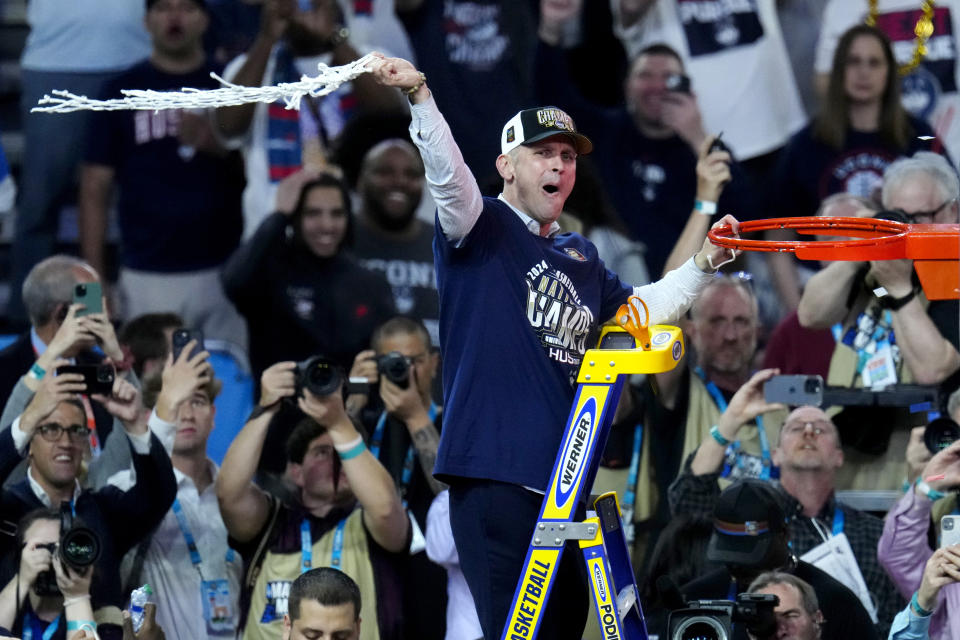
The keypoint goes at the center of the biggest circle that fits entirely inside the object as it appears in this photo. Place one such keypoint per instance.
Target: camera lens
(321, 376)
(811, 385)
(700, 628)
(947, 525)
(105, 374)
(940, 434)
(80, 547)
(396, 368)
(81, 289)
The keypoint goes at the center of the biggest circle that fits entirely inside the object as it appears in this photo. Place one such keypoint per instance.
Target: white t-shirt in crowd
(930, 92)
(737, 62)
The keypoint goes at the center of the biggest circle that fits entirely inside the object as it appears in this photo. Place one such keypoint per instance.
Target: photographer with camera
(404, 424)
(890, 333)
(334, 473)
(751, 536)
(29, 608)
(808, 455)
(52, 432)
(798, 612)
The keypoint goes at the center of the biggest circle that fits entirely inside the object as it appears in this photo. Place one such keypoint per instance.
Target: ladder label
(529, 604)
(606, 609)
(576, 453)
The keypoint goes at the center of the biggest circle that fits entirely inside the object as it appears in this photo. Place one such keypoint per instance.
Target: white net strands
(229, 95)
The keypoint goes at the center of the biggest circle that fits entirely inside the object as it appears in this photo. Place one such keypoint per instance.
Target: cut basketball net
(229, 95)
(934, 248)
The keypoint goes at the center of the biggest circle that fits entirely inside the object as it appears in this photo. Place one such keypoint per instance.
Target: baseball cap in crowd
(533, 125)
(747, 521)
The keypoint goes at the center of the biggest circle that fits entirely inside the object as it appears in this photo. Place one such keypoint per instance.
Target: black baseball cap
(747, 520)
(533, 125)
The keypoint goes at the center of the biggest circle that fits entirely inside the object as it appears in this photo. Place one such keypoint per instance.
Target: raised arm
(713, 173)
(926, 351)
(383, 513)
(824, 299)
(244, 506)
(274, 19)
(451, 184)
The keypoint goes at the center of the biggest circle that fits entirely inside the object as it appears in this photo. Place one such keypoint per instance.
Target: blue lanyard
(408, 461)
(30, 621)
(187, 536)
(761, 431)
(838, 518)
(630, 495)
(306, 545)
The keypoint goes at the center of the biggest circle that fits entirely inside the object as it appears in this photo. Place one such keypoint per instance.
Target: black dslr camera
(713, 619)
(395, 367)
(940, 434)
(320, 375)
(79, 547)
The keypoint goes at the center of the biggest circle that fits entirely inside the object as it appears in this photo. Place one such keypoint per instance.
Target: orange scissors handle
(633, 321)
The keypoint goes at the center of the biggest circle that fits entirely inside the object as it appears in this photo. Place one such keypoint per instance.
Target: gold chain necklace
(922, 30)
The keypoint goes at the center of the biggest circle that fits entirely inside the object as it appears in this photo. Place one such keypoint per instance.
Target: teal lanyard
(306, 545)
(31, 621)
(721, 403)
(409, 459)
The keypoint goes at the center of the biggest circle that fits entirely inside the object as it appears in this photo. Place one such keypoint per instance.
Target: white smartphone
(949, 530)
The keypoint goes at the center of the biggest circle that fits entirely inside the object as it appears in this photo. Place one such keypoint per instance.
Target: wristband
(76, 625)
(920, 611)
(929, 491)
(352, 449)
(705, 207)
(715, 432)
(895, 304)
(36, 372)
(412, 90)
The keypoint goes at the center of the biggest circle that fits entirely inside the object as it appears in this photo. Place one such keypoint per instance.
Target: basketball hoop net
(229, 95)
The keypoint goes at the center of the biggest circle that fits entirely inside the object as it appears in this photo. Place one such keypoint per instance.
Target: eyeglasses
(51, 432)
(819, 427)
(925, 217)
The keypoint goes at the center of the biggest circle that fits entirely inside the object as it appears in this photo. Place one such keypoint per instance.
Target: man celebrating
(513, 290)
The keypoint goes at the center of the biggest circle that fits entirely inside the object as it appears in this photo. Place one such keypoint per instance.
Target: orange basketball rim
(934, 248)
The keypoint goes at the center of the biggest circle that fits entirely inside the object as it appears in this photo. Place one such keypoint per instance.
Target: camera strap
(721, 403)
(306, 545)
(31, 624)
(409, 460)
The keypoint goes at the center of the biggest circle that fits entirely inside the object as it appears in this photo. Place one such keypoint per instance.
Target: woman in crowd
(861, 128)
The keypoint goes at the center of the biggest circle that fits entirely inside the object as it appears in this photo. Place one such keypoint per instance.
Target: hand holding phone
(180, 339)
(90, 295)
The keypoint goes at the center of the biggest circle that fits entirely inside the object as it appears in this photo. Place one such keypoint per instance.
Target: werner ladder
(624, 350)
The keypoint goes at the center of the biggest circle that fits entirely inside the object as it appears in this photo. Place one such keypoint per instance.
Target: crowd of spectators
(292, 234)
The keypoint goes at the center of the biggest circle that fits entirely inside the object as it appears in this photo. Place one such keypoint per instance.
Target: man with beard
(683, 405)
(389, 237)
(277, 141)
